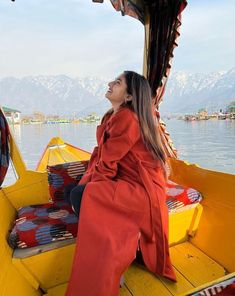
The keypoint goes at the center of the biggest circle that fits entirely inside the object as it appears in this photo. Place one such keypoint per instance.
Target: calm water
(210, 144)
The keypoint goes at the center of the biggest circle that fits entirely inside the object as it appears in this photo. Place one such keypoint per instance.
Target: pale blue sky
(81, 38)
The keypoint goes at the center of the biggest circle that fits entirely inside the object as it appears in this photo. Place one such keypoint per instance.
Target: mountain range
(187, 93)
(63, 95)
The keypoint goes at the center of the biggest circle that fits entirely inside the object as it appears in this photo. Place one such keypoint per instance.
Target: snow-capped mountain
(64, 95)
(51, 94)
(190, 92)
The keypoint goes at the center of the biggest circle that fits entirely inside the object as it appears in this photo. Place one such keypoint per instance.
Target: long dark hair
(141, 103)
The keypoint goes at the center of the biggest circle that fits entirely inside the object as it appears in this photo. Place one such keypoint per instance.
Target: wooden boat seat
(193, 270)
(189, 218)
(43, 224)
(29, 252)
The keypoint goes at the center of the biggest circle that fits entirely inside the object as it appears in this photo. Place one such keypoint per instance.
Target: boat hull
(202, 240)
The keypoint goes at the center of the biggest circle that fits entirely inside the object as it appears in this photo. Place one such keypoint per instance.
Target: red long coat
(123, 205)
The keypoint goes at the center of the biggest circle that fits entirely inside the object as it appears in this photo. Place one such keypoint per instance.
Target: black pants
(73, 195)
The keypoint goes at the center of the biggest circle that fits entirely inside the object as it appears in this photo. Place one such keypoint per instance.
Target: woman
(123, 203)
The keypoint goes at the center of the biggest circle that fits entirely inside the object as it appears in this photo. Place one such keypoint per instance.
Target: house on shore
(202, 114)
(231, 110)
(12, 115)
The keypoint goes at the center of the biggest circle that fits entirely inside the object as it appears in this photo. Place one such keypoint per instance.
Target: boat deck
(193, 268)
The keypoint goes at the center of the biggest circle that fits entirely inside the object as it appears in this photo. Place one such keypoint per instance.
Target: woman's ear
(128, 98)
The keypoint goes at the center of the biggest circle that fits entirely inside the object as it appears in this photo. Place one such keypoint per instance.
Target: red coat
(123, 205)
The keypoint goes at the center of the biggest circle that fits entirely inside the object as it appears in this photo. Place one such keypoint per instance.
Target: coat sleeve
(94, 156)
(122, 133)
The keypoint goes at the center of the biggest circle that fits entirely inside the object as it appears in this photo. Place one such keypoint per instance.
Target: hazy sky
(82, 38)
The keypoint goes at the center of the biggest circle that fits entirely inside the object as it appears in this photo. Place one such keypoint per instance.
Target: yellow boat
(202, 238)
(58, 151)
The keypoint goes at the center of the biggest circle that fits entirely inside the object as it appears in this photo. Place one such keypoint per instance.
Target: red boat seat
(43, 224)
(179, 198)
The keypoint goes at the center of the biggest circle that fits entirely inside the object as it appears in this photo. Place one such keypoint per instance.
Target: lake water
(209, 143)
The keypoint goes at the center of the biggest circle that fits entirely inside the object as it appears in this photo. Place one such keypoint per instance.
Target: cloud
(79, 37)
(207, 37)
(75, 39)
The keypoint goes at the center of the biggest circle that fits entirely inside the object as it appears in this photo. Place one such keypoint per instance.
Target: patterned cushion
(224, 288)
(43, 224)
(62, 175)
(179, 197)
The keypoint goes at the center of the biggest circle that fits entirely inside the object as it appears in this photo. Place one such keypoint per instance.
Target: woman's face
(117, 91)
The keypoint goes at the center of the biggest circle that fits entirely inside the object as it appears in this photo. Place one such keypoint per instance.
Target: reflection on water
(208, 143)
(16, 129)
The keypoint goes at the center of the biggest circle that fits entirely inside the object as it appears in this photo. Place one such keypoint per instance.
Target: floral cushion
(43, 224)
(179, 197)
(62, 175)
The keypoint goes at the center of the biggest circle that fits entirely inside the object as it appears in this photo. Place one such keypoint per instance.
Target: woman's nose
(110, 84)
